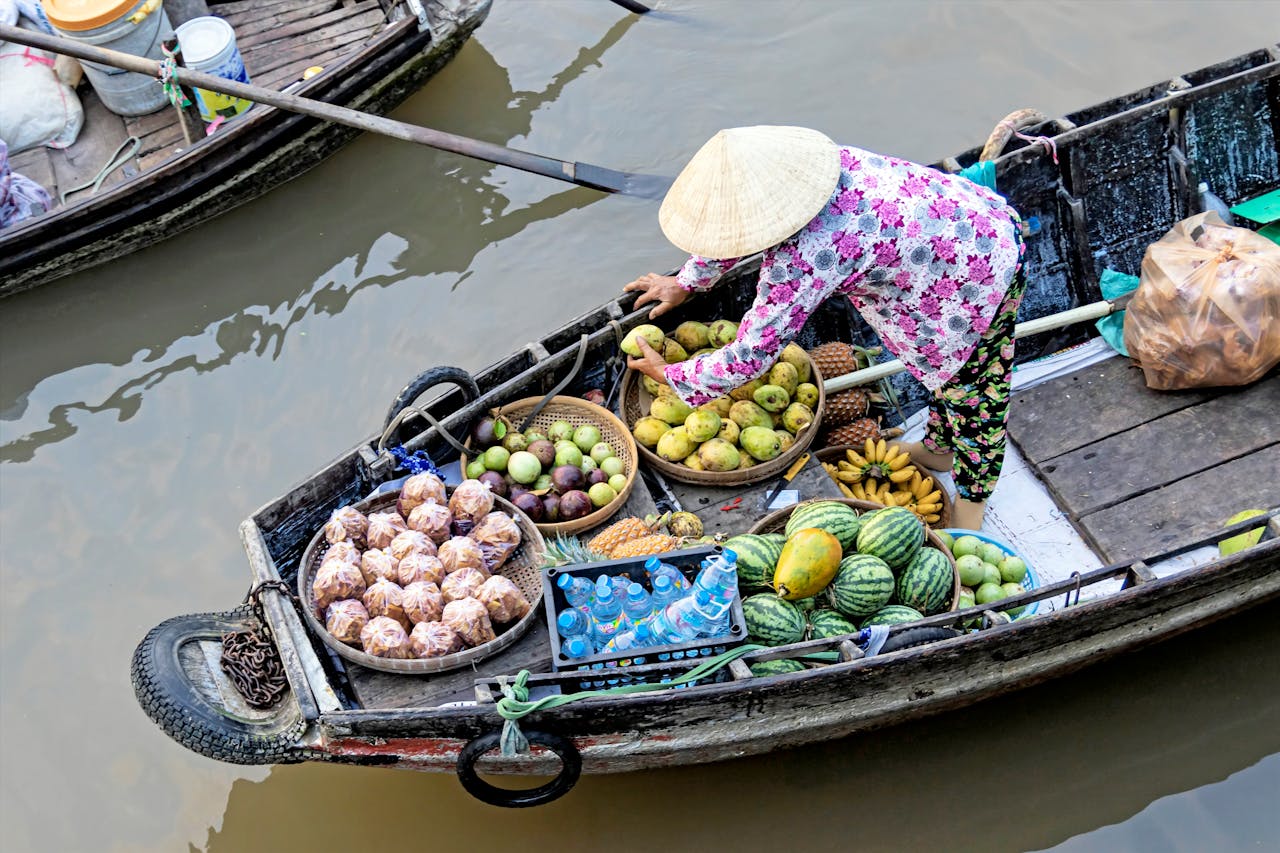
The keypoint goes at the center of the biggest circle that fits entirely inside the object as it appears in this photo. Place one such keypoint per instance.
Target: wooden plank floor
(1140, 471)
(278, 41)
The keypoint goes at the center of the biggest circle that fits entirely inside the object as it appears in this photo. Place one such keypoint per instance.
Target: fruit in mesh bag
(376, 564)
(383, 527)
(409, 541)
(432, 519)
(434, 640)
(498, 537)
(419, 567)
(346, 619)
(470, 502)
(347, 524)
(503, 599)
(344, 552)
(470, 620)
(461, 552)
(385, 638)
(386, 598)
(463, 583)
(423, 602)
(420, 489)
(334, 581)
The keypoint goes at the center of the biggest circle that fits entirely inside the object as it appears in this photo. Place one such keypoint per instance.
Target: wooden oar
(582, 174)
(1094, 311)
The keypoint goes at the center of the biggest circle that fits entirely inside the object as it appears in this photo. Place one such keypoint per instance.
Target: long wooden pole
(1061, 320)
(582, 174)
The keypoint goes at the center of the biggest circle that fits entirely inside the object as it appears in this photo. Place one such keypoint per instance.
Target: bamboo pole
(1084, 313)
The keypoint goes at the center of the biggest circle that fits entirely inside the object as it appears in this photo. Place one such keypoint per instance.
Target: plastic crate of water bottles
(605, 617)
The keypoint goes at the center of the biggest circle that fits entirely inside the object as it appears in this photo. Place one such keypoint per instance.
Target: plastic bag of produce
(432, 519)
(419, 567)
(498, 536)
(386, 598)
(420, 489)
(346, 619)
(385, 638)
(375, 564)
(345, 551)
(334, 581)
(410, 540)
(423, 602)
(470, 502)
(434, 640)
(461, 552)
(464, 583)
(503, 599)
(347, 524)
(470, 620)
(1207, 311)
(383, 527)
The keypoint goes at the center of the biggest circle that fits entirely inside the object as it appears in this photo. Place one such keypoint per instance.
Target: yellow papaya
(809, 560)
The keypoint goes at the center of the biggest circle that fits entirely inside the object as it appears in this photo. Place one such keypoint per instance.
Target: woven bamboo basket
(523, 568)
(776, 522)
(578, 412)
(634, 404)
(836, 452)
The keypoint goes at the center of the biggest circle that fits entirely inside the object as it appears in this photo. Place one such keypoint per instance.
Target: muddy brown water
(148, 406)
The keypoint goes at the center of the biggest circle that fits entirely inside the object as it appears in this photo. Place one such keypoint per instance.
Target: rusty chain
(250, 658)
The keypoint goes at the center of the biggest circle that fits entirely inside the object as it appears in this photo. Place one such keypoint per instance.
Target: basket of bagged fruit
(571, 469)
(423, 580)
(753, 433)
(831, 567)
(882, 474)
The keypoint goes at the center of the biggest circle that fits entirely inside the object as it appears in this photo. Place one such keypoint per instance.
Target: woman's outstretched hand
(661, 289)
(650, 362)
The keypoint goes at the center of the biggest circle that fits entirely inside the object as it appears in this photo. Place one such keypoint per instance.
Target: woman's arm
(698, 273)
(775, 318)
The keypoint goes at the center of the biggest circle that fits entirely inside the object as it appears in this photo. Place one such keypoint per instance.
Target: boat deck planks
(705, 502)
(277, 41)
(1121, 459)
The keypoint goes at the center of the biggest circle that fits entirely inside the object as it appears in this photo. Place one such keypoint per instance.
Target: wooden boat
(1126, 172)
(374, 54)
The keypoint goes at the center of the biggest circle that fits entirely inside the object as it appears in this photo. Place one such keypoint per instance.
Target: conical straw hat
(749, 188)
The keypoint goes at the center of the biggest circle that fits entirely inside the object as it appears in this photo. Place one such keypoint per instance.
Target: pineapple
(569, 551)
(855, 433)
(846, 407)
(619, 533)
(654, 543)
(836, 359)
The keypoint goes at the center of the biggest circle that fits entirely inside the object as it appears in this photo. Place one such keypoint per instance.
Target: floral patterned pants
(968, 414)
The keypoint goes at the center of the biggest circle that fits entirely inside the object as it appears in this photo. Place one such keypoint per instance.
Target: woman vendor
(930, 260)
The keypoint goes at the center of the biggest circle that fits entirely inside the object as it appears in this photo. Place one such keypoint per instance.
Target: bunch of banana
(883, 474)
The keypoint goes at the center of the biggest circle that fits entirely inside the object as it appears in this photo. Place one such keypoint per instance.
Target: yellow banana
(849, 476)
(901, 498)
(846, 466)
(880, 450)
(933, 497)
(858, 492)
(845, 490)
(901, 463)
(891, 452)
(922, 488)
(927, 509)
(869, 450)
(932, 519)
(901, 476)
(856, 458)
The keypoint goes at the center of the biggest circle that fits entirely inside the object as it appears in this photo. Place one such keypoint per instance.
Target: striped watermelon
(757, 555)
(828, 623)
(862, 585)
(927, 582)
(773, 621)
(840, 520)
(775, 667)
(893, 534)
(892, 615)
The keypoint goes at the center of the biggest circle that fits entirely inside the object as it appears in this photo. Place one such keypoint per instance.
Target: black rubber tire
(181, 712)
(570, 770)
(912, 637)
(427, 379)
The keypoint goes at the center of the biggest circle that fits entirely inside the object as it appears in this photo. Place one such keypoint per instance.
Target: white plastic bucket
(140, 29)
(209, 45)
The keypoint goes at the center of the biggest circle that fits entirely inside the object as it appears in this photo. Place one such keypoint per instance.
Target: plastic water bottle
(577, 646)
(637, 607)
(620, 585)
(606, 612)
(1210, 201)
(719, 577)
(572, 622)
(678, 622)
(664, 592)
(579, 592)
(656, 568)
(636, 638)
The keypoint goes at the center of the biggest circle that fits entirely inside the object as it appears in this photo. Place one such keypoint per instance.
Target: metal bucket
(209, 45)
(138, 28)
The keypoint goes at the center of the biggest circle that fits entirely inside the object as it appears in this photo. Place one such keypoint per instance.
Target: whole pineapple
(654, 543)
(846, 407)
(855, 433)
(619, 533)
(836, 359)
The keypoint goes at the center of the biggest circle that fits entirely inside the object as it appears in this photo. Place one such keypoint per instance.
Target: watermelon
(773, 621)
(893, 534)
(775, 667)
(927, 582)
(807, 604)
(838, 519)
(862, 585)
(828, 623)
(892, 615)
(757, 555)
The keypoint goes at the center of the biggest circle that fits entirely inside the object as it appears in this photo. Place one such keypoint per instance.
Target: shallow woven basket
(635, 405)
(776, 522)
(836, 452)
(578, 412)
(523, 567)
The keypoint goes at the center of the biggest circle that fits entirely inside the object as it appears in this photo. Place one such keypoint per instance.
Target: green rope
(515, 705)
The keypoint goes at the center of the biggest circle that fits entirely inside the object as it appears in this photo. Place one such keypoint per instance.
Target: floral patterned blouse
(924, 256)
